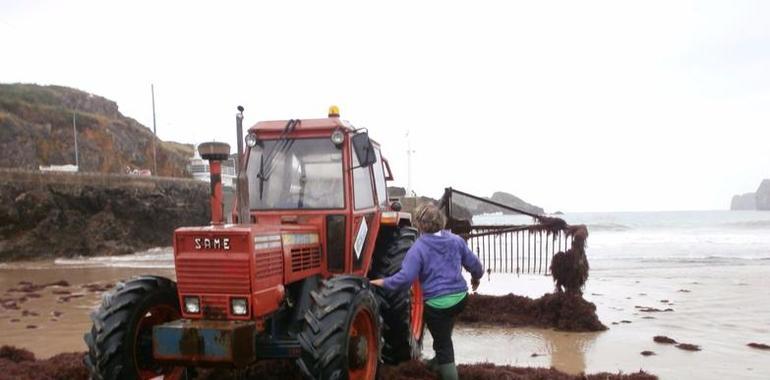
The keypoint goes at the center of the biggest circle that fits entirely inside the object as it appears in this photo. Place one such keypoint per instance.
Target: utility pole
(154, 134)
(409, 152)
(75, 133)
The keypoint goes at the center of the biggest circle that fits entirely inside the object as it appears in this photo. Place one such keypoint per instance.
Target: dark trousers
(440, 323)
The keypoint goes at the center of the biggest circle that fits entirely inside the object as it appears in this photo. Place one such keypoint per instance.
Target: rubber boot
(448, 371)
(432, 364)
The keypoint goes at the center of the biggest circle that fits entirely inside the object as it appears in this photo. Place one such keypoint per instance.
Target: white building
(199, 168)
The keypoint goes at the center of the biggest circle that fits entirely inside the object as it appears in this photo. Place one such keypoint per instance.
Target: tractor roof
(306, 124)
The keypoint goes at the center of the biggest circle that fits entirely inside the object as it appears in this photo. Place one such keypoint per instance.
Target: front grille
(200, 273)
(268, 264)
(214, 306)
(305, 258)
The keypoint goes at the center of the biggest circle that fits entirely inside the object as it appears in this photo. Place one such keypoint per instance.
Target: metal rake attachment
(518, 247)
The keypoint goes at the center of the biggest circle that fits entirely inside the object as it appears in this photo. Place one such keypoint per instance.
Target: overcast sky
(574, 105)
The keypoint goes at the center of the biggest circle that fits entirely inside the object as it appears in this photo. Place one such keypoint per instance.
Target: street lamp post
(154, 134)
(75, 130)
(75, 133)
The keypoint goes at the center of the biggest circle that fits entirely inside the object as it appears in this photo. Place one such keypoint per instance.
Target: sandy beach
(717, 310)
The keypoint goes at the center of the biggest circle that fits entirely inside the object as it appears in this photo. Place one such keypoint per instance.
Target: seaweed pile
(564, 311)
(21, 365)
(487, 371)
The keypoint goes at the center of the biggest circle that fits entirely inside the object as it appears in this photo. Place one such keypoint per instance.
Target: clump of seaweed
(663, 339)
(562, 311)
(16, 363)
(760, 346)
(570, 269)
(688, 347)
(21, 365)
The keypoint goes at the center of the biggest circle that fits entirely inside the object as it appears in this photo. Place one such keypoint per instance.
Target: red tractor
(289, 279)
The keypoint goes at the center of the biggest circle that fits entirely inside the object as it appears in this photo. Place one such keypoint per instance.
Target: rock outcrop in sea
(763, 196)
(759, 200)
(746, 201)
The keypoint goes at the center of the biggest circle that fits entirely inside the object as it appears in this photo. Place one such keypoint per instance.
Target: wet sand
(51, 334)
(721, 310)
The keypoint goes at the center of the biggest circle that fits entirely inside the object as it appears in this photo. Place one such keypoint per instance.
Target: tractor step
(195, 342)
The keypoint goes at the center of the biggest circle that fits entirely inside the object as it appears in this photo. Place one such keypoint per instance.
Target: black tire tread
(395, 306)
(324, 335)
(105, 359)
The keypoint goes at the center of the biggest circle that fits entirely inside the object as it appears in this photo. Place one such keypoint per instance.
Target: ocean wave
(749, 224)
(608, 227)
(708, 259)
(161, 257)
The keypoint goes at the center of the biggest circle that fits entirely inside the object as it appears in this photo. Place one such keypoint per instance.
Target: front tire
(120, 341)
(341, 338)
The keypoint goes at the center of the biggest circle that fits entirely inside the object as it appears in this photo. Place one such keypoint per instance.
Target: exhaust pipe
(215, 153)
(242, 183)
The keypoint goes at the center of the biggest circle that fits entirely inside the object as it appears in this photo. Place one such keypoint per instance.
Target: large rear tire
(401, 311)
(120, 341)
(341, 338)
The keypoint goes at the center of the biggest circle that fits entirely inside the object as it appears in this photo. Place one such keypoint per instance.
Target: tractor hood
(217, 267)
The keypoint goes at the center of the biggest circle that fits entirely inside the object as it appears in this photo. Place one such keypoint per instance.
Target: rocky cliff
(763, 196)
(70, 214)
(746, 201)
(36, 129)
(760, 200)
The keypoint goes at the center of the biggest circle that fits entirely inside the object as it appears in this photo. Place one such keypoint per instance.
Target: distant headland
(759, 200)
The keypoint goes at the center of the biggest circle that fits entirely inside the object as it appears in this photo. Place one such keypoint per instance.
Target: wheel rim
(416, 313)
(362, 346)
(146, 367)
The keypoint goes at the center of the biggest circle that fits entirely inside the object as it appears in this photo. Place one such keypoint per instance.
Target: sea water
(711, 267)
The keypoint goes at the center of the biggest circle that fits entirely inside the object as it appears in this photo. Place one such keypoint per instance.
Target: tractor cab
(322, 173)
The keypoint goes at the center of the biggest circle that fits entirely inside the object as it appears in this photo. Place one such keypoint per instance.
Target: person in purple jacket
(437, 259)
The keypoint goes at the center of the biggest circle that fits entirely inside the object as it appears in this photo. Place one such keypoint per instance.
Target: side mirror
(363, 149)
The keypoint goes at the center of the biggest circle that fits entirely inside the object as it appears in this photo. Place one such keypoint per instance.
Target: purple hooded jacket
(437, 260)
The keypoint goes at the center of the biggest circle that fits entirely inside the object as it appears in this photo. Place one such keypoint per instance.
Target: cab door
(366, 217)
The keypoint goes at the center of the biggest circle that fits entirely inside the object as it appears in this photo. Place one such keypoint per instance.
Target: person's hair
(429, 218)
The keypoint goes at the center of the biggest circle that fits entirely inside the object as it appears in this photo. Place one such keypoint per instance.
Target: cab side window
(363, 196)
(379, 179)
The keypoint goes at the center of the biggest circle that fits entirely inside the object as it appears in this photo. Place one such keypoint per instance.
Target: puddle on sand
(528, 347)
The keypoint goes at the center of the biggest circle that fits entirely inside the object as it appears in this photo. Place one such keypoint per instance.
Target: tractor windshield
(295, 174)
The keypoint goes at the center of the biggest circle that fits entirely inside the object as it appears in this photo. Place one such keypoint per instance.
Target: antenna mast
(409, 151)
(154, 134)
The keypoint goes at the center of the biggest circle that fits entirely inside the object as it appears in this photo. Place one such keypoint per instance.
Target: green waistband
(446, 301)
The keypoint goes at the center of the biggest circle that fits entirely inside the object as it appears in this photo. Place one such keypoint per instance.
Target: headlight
(338, 137)
(192, 304)
(251, 140)
(239, 306)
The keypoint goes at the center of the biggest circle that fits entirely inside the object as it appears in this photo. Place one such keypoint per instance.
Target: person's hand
(378, 282)
(475, 283)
